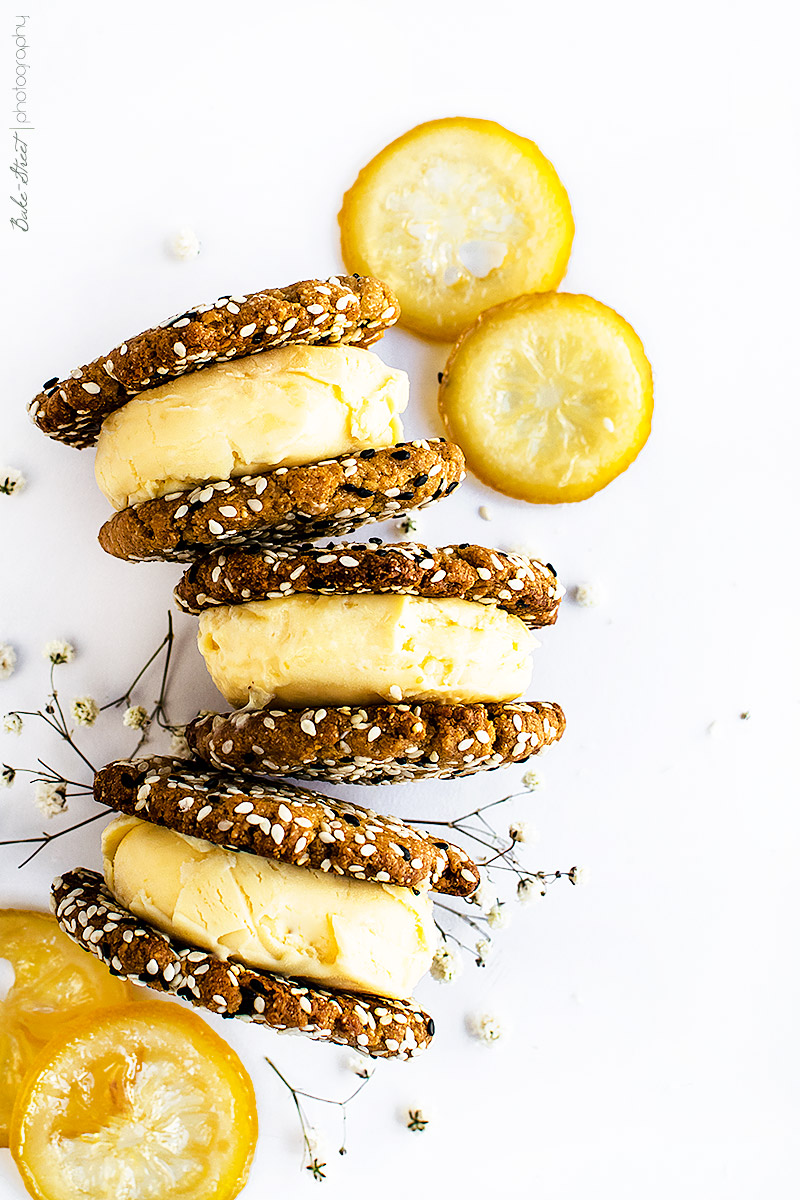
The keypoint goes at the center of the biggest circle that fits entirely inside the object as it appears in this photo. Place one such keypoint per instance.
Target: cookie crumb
(184, 244)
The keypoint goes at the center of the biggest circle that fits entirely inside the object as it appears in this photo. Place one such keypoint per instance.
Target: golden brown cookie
(344, 308)
(288, 504)
(524, 587)
(381, 743)
(277, 820)
(89, 914)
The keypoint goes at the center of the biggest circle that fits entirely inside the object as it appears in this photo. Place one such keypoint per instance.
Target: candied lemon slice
(54, 980)
(549, 396)
(136, 1102)
(457, 215)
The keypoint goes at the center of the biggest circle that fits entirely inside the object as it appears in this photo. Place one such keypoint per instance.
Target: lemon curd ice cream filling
(308, 650)
(282, 408)
(342, 932)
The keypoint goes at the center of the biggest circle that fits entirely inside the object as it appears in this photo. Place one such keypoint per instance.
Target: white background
(652, 1046)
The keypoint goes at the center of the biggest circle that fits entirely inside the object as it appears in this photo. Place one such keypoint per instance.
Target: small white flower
(484, 896)
(417, 1120)
(486, 1027)
(579, 876)
(484, 512)
(8, 660)
(178, 745)
(484, 950)
(85, 710)
(498, 916)
(361, 1066)
(447, 965)
(588, 595)
(50, 798)
(12, 723)
(7, 776)
(318, 1146)
(185, 244)
(532, 781)
(136, 717)
(530, 890)
(11, 481)
(523, 831)
(58, 652)
(409, 524)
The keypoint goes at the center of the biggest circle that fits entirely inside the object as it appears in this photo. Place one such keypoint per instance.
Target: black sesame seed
(431, 1028)
(364, 493)
(440, 376)
(350, 818)
(451, 487)
(419, 480)
(370, 453)
(441, 845)
(50, 383)
(376, 541)
(550, 567)
(415, 891)
(401, 455)
(406, 853)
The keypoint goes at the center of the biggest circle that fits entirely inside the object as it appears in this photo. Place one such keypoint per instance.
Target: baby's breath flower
(58, 652)
(498, 916)
(11, 481)
(486, 1027)
(530, 890)
(579, 876)
(12, 723)
(447, 965)
(361, 1066)
(7, 776)
(588, 595)
(136, 717)
(50, 798)
(484, 896)
(408, 524)
(178, 745)
(532, 781)
(8, 660)
(484, 950)
(417, 1120)
(522, 831)
(85, 710)
(185, 244)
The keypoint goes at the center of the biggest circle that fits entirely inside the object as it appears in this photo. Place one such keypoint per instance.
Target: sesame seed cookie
(343, 309)
(277, 820)
(322, 499)
(130, 947)
(526, 588)
(381, 743)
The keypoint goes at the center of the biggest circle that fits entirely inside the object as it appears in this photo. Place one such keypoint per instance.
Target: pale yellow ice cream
(293, 405)
(308, 650)
(345, 933)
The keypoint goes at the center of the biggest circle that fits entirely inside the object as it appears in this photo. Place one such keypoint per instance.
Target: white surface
(654, 1049)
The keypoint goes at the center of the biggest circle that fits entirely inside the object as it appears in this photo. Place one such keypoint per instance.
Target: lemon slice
(139, 1102)
(53, 981)
(549, 396)
(457, 215)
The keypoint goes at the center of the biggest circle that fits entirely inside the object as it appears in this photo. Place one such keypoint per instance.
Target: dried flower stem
(314, 1165)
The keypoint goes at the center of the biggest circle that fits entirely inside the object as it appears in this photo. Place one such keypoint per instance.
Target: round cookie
(89, 914)
(382, 743)
(279, 821)
(524, 587)
(323, 499)
(344, 308)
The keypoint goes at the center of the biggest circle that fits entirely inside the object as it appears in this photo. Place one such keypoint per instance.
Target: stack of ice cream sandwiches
(233, 437)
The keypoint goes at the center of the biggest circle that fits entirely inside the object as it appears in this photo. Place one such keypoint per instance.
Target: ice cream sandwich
(208, 426)
(265, 902)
